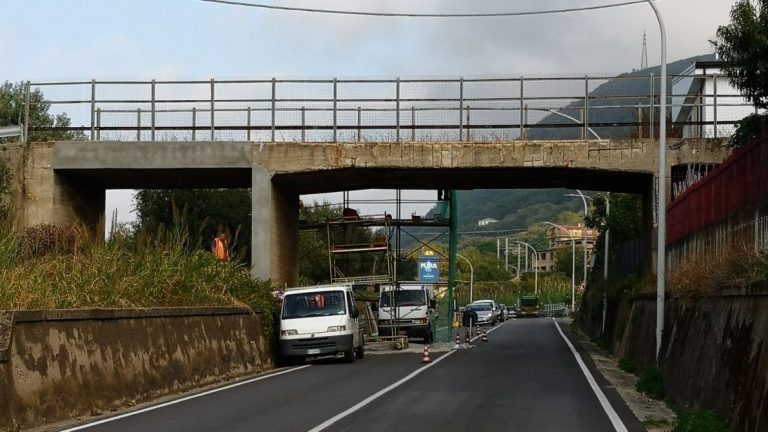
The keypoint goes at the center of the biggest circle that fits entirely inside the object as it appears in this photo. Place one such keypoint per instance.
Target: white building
(701, 94)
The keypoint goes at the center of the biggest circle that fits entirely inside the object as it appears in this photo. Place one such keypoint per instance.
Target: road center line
(324, 425)
(615, 419)
(184, 399)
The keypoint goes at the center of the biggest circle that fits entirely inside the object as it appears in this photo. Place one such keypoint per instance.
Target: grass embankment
(54, 268)
(737, 266)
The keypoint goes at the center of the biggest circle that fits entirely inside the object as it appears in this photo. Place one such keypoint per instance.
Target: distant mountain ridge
(519, 208)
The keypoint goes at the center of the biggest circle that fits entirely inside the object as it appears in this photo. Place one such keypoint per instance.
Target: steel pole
(584, 236)
(471, 276)
(573, 264)
(605, 261)
(661, 233)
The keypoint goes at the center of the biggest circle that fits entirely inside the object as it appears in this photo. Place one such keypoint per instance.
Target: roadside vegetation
(738, 266)
(699, 420)
(48, 267)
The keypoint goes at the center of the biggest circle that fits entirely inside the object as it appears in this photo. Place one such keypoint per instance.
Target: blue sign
(429, 270)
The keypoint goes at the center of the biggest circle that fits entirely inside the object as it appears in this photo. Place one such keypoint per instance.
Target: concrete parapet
(62, 365)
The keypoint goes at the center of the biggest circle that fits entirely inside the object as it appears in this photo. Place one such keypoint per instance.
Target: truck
(319, 321)
(529, 306)
(407, 309)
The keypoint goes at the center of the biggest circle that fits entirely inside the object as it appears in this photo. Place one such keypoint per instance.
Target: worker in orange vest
(220, 249)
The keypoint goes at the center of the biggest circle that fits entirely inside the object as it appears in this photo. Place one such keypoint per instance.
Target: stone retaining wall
(58, 365)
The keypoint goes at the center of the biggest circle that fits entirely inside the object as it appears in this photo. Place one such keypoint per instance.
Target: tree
(12, 102)
(204, 212)
(744, 48)
(564, 260)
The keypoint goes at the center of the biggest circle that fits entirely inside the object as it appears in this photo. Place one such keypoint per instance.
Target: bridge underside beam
(464, 178)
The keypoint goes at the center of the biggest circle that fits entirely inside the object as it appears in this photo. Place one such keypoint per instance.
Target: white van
(320, 321)
(410, 309)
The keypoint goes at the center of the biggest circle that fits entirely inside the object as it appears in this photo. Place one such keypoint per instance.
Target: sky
(53, 40)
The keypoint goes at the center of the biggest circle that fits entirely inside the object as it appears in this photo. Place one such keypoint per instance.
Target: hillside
(626, 91)
(518, 209)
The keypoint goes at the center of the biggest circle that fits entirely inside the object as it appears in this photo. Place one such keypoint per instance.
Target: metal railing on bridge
(394, 110)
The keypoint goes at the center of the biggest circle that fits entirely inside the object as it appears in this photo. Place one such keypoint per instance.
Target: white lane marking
(324, 425)
(615, 420)
(184, 399)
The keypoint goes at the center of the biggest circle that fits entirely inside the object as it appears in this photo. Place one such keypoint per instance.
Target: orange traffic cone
(425, 358)
(485, 336)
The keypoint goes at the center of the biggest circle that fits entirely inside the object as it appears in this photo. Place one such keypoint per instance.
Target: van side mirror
(432, 303)
(354, 313)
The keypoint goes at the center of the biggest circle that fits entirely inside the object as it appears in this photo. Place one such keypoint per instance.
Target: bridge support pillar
(275, 230)
(648, 233)
(42, 195)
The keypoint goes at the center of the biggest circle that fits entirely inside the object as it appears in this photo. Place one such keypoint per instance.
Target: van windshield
(403, 298)
(313, 304)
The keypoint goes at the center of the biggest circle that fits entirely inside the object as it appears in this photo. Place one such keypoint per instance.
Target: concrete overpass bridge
(63, 182)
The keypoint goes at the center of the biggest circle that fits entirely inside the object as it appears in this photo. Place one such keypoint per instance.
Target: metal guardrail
(456, 109)
(549, 310)
(11, 131)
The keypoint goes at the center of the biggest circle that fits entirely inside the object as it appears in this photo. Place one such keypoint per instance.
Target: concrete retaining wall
(714, 352)
(58, 365)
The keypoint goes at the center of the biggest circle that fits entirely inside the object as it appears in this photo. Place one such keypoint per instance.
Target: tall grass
(737, 266)
(49, 267)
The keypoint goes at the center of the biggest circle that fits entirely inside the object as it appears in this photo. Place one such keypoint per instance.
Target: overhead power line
(424, 15)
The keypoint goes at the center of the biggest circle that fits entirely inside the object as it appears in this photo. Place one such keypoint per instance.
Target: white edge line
(184, 399)
(615, 419)
(324, 425)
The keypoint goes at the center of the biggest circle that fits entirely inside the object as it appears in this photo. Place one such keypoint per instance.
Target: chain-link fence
(390, 110)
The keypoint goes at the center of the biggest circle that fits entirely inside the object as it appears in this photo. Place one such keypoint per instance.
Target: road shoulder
(635, 408)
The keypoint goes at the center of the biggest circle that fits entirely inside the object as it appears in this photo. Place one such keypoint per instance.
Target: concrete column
(275, 230)
(42, 195)
(648, 233)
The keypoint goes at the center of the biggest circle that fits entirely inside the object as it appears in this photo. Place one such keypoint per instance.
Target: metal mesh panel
(436, 109)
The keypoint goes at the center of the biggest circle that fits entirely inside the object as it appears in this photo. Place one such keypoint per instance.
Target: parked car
(494, 306)
(504, 313)
(485, 313)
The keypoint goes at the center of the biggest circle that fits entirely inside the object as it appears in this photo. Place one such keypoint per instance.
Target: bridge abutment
(274, 230)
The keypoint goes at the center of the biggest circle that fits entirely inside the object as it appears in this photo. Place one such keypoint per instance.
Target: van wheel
(360, 352)
(349, 356)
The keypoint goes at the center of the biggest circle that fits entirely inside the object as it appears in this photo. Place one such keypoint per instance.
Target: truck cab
(320, 321)
(407, 309)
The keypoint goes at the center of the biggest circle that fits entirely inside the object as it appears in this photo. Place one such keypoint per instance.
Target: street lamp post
(471, 283)
(583, 231)
(573, 264)
(471, 275)
(661, 233)
(536, 267)
(577, 121)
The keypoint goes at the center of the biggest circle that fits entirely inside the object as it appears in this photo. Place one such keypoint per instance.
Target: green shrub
(628, 365)
(59, 268)
(651, 383)
(699, 420)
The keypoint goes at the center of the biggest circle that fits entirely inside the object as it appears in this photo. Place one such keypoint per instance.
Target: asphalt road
(525, 378)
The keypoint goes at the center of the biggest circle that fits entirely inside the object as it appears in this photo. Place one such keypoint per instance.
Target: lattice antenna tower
(644, 55)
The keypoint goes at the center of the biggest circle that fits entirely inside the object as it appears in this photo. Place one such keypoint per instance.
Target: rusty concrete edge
(6, 334)
(20, 316)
